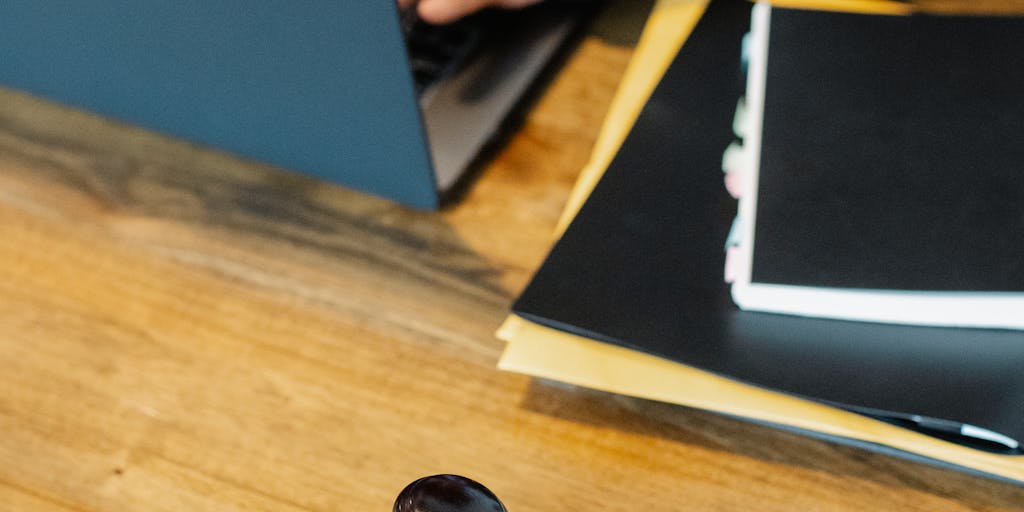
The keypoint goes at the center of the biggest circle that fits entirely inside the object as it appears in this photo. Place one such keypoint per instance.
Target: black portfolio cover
(896, 164)
(641, 267)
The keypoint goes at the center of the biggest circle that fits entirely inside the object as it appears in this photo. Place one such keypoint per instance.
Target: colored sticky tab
(735, 233)
(734, 158)
(737, 183)
(739, 119)
(732, 264)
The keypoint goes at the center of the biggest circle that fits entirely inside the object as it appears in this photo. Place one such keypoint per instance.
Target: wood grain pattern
(1014, 7)
(184, 330)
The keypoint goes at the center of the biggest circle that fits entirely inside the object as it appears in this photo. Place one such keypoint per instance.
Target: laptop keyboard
(437, 51)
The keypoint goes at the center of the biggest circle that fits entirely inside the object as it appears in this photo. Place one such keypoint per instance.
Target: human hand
(447, 11)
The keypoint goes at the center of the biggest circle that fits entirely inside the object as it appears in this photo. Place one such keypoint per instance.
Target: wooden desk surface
(183, 330)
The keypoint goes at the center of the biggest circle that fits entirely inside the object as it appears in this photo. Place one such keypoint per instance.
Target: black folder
(882, 156)
(641, 267)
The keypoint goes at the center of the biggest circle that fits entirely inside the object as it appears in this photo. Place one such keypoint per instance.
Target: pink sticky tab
(732, 263)
(736, 183)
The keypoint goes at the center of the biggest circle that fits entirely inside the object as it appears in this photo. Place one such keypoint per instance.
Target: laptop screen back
(318, 86)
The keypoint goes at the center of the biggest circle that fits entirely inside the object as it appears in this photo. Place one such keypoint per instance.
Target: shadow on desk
(701, 434)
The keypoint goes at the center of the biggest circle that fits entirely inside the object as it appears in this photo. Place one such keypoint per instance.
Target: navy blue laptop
(324, 87)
